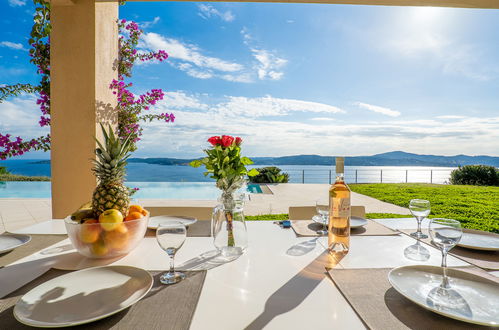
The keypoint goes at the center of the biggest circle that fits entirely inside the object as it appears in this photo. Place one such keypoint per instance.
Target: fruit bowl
(103, 240)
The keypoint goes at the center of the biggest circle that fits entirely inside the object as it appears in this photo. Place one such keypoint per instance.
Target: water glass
(322, 208)
(171, 236)
(445, 234)
(420, 209)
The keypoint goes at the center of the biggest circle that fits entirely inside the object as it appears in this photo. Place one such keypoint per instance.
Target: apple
(110, 219)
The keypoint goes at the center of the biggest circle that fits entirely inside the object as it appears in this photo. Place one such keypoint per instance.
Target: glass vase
(230, 236)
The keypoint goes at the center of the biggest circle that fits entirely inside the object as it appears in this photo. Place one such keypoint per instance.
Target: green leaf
(246, 161)
(253, 172)
(196, 163)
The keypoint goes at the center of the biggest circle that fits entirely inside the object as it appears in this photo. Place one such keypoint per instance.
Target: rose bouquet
(224, 163)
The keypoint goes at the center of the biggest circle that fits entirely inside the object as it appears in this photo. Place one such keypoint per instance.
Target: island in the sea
(394, 158)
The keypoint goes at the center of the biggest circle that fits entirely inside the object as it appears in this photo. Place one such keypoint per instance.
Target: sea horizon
(143, 172)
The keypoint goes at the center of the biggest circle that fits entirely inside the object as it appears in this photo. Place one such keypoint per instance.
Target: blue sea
(141, 172)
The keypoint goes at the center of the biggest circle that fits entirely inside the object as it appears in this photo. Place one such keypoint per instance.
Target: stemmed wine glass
(446, 233)
(322, 209)
(171, 236)
(420, 209)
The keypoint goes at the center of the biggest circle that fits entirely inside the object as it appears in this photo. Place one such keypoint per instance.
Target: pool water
(147, 190)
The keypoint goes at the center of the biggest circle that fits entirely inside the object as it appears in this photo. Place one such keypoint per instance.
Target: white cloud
(12, 45)
(450, 117)
(268, 65)
(188, 58)
(270, 106)
(242, 78)
(187, 53)
(248, 118)
(15, 3)
(378, 109)
(20, 116)
(208, 11)
(148, 24)
(322, 119)
(180, 100)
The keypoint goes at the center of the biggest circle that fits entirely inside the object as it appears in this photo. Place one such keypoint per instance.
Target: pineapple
(109, 168)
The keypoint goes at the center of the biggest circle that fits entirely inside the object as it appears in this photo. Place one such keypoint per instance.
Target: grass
(15, 177)
(476, 207)
(7, 176)
(275, 217)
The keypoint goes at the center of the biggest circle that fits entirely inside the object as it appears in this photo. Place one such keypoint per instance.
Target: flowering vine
(129, 107)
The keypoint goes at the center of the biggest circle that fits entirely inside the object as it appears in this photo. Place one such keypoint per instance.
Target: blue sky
(300, 79)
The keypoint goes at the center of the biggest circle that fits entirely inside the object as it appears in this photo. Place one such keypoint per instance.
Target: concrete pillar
(84, 50)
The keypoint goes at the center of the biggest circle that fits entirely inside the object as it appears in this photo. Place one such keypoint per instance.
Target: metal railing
(370, 176)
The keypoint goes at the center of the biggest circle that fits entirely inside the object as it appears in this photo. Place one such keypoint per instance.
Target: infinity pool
(147, 190)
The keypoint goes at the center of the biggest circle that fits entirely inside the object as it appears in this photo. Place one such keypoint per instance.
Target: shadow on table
(205, 261)
(297, 289)
(302, 248)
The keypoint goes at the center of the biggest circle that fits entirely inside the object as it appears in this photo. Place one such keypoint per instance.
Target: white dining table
(267, 287)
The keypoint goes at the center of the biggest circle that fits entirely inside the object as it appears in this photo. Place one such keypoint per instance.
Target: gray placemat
(483, 259)
(37, 243)
(380, 306)
(309, 228)
(164, 307)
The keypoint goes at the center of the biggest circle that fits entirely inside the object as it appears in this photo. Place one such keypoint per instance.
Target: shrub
(477, 175)
(3, 170)
(270, 174)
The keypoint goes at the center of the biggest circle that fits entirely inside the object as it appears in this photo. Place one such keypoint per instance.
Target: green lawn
(275, 217)
(16, 177)
(477, 207)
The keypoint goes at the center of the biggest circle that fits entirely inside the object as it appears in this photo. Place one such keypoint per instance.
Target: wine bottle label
(341, 207)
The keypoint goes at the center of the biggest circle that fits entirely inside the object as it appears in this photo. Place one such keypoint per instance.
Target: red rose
(215, 140)
(239, 141)
(227, 140)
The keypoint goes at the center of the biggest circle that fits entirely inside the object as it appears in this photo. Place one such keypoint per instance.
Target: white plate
(480, 304)
(9, 242)
(154, 222)
(83, 296)
(475, 241)
(355, 222)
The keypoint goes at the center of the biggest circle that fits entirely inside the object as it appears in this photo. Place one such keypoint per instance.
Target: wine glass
(322, 209)
(420, 209)
(171, 236)
(445, 234)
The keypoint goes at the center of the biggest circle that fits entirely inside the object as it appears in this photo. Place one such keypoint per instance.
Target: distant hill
(394, 158)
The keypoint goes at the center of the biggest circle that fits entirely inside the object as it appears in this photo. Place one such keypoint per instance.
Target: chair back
(307, 212)
(200, 213)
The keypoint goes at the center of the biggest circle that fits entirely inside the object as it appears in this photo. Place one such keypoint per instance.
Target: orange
(118, 238)
(135, 208)
(133, 216)
(144, 212)
(89, 231)
(99, 248)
